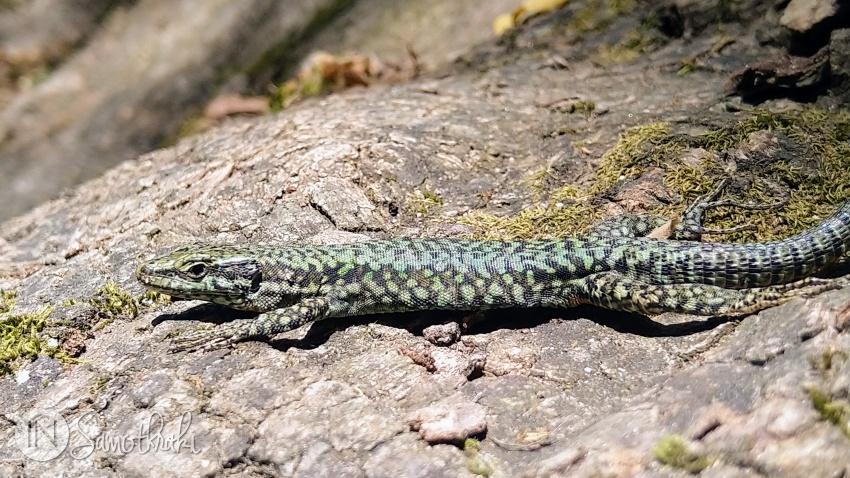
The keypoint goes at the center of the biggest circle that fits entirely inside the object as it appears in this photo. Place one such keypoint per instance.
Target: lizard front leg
(264, 325)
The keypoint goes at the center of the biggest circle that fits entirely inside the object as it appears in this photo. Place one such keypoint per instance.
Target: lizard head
(225, 275)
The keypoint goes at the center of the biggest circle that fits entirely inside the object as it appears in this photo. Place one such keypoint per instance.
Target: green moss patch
(822, 135)
(598, 15)
(112, 302)
(567, 212)
(672, 451)
(422, 202)
(20, 338)
(638, 148)
(562, 215)
(641, 39)
(815, 193)
(831, 409)
(7, 301)
(475, 463)
(828, 361)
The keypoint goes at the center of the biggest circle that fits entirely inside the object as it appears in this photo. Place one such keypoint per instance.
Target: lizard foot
(205, 340)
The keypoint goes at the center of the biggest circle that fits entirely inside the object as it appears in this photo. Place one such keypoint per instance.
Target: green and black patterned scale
(292, 285)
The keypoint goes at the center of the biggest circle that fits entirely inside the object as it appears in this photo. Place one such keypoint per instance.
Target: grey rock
(802, 15)
(565, 393)
(449, 421)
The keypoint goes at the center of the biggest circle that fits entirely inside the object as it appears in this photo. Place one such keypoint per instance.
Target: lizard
(292, 285)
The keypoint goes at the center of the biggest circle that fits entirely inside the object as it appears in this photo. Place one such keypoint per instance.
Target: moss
(597, 15)
(672, 451)
(535, 181)
(20, 338)
(634, 43)
(691, 181)
(827, 360)
(112, 302)
(98, 384)
(588, 18)
(283, 95)
(638, 147)
(7, 300)
(583, 107)
(830, 409)
(475, 463)
(422, 201)
(688, 65)
(311, 82)
(814, 194)
(20, 334)
(9, 4)
(820, 127)
(825, 134)
(621, 7)
(566, 212)
(555, 218)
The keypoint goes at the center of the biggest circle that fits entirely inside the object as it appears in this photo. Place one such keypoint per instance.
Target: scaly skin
(292, 285)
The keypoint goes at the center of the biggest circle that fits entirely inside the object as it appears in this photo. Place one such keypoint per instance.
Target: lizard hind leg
(755, 299)
(614, 291)
(628, 225)
(690, 225)
(687, 227)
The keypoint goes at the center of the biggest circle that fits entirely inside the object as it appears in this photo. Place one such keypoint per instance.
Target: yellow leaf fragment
(542, 6)
(503, 23)
(528, 9)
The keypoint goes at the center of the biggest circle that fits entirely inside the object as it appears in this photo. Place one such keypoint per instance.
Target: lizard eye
(198, 270)
(255, 281)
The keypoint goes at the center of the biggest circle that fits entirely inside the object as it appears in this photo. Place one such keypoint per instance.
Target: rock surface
(581, 392)
(802, 15)
(151, 65)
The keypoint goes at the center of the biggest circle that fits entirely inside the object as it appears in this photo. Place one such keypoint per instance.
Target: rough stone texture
(802, 15)
(567, 393)
(444, 334)
(147, 70)
(152, 65)
(346, 205)
(450, 420)
(783, 75)
(42, 32)
(839, 60)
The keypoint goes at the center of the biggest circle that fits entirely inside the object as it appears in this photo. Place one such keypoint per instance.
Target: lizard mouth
(168, 283)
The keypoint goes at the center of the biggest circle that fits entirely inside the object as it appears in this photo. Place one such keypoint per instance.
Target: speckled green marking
(292, 285)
